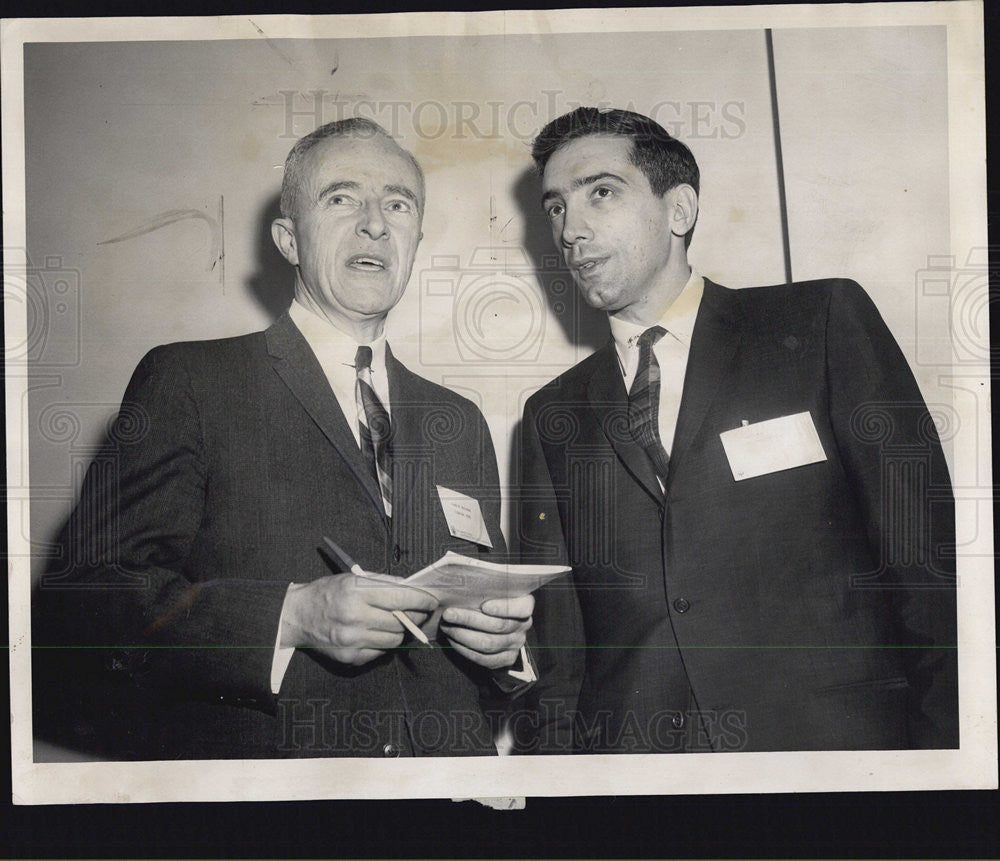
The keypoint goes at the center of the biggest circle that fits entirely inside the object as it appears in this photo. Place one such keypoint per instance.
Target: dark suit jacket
(229, 462)
(810, 608)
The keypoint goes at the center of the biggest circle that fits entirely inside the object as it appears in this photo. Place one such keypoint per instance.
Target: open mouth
(588, 265)
(366, 263)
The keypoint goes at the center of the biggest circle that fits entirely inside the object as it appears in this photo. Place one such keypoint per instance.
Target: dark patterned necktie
(373, 425)
(644, 403)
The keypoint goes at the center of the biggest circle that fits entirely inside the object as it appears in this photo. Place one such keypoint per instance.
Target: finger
(379, 593)
(366, 618)
(359, 617)
(510, 608)
(497, 661)
(418, 617)
(379, 617)
(483, 643)
(431, 624)
(480, 621)
(379, 577)
(368, 638)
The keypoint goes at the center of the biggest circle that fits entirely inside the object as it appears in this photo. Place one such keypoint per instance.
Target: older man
(201, 552)
(746, 482)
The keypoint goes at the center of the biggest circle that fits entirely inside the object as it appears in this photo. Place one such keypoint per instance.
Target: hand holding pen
(351, 618)
(492, 636)
(358, 571)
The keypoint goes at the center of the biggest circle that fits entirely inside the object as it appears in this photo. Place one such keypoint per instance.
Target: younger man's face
(613, 231)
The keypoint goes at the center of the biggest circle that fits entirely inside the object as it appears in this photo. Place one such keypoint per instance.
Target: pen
(358, 571)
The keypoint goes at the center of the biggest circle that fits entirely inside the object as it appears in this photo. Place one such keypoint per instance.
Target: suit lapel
(608, 399)
(409, 411)
(713, 345)
(298, 367)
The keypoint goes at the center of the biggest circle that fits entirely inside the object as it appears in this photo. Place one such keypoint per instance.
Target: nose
(575, 227)
(371, 222)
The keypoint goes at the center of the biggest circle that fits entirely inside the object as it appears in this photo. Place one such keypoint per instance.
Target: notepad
(461, 581)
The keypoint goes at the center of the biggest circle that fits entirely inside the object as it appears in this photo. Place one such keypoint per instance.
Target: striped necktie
(644, 403)
(373, 425)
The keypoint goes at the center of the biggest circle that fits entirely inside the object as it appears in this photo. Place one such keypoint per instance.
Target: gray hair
(358, 127)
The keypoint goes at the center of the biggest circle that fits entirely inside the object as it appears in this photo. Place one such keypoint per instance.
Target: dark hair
(663, 160)
(359, 127)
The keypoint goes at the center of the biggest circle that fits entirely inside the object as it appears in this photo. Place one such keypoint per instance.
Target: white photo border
(973, 765)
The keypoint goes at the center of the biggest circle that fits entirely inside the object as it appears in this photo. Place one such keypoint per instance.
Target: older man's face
(356, 226)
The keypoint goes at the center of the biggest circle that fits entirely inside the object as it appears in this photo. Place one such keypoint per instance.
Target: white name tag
(772, 446)
(464, 516)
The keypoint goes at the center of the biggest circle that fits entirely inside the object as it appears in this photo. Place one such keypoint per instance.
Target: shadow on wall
(272, 285)
(585, 328)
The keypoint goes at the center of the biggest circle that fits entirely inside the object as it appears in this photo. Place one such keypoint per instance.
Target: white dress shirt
(671, 352)
(336, 352)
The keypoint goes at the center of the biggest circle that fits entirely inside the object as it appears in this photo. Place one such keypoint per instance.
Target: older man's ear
(283, 234)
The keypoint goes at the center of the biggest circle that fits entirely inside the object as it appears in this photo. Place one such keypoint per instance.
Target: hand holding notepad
(463, 581)
(466, 587)
(490, 639)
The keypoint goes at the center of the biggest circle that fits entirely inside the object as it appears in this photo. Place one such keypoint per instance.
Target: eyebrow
(339, 185)
(351, 185)
(585, 180)
(403, 190)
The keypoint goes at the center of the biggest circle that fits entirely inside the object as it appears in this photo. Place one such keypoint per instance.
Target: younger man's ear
(683, 208)
(283, 234)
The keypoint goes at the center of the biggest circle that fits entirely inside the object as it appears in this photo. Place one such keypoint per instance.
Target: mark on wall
(216, 245)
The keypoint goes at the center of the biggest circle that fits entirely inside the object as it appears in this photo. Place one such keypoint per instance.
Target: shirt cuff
(282, 654)
(518, 678)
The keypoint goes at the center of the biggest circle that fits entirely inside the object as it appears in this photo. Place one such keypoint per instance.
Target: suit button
(678, 720)
(682, 605)
(390, 750)
(396, 553)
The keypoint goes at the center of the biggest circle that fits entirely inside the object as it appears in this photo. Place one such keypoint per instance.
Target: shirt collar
(330, 344)
(678, 319)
